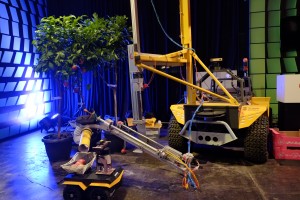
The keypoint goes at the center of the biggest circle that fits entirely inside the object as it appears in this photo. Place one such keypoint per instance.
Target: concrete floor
(27, 174)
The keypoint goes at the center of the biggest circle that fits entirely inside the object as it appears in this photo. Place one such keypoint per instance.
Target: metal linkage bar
(184, 132)
(164, 153)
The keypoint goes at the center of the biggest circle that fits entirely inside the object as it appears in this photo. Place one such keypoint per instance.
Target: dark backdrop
(219, 29)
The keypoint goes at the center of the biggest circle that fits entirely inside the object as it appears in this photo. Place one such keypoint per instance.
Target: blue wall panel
(21, 86)
(5, 41)
(3, 11)
(22, 99)
(14, 3)
(14, 14)
(2, 102)
(10, 87)
(4, 133)
(18, 58)
(25, 31)
(4, 27)
(7, 56)
(8, 72)
(14, 130)
(2, 85)
(25, 96)
(15, 28)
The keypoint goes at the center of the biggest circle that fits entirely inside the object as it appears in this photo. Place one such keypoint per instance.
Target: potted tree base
(58, 149)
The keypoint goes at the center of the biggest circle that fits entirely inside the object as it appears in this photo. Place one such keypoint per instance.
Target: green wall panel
(292, 12)
(257, 51)
(274, 5)
(257, 66)
(257, 5)
(274, 18)
(291, 54)
(273, 65)
(274, 107)
(271, 80)
(290, 4)
(257, 20)
(273, 34)
(258, 81)
(274, 50)
(257, 35)
(290, 65)
(272, 93)
(259, 92)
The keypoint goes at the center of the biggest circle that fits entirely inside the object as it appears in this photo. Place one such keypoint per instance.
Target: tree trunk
(60, 90)
(115, 95)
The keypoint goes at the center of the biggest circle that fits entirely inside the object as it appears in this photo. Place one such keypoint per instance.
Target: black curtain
(219, 29)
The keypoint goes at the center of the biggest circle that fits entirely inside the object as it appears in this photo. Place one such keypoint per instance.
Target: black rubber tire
(256, 141)
(176, 141)
(72, 192)
(96, 193)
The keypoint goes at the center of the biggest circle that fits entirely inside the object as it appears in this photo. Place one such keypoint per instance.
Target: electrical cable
(151, 78)
(180, 100)
(190, 171)
(190, 180)
(101, 77)
(181, 74)
(166, 34)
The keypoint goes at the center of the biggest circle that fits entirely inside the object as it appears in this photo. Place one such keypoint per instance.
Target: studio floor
(27, 174)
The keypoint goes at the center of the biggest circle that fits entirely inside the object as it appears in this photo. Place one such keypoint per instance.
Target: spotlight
(54, 116)
(48, 122)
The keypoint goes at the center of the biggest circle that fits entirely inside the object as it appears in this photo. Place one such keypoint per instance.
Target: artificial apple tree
(69, 45)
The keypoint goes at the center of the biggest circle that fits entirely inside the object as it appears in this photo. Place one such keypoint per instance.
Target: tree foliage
(66, 41)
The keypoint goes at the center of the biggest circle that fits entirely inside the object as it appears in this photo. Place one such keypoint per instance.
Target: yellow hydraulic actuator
(85, 140)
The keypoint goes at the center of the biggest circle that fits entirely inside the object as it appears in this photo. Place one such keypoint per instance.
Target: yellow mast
(186, 42)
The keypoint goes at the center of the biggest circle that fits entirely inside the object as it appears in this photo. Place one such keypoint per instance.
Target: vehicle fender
(178, 112)
(250, 113)
(80, 184)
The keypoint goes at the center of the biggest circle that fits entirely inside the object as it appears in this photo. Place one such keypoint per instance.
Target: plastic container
(286, 144)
